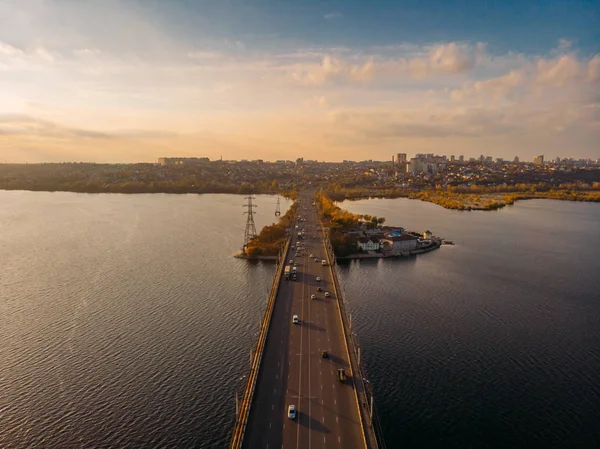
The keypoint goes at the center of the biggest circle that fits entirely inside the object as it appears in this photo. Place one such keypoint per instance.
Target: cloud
(558, 72)
(437, 60)
(28, 126)
(332, 15)
(70, 82)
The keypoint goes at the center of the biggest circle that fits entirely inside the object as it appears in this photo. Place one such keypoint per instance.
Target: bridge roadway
(293, 370)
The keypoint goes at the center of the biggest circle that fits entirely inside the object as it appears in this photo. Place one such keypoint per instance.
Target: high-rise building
(557, 160)
(401, 158)
(539, 160)
(461, 158)
(452, 158)
(516, 160)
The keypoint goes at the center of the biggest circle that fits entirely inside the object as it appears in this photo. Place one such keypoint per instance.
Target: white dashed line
(273, 407)
(336, 419)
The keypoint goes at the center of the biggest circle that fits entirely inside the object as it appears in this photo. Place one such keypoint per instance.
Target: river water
(125, 322)
(493, 342)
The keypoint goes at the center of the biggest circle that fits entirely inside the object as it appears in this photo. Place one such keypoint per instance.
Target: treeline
(176, 187)
(268, 242)
(493, 201)
(337, 192)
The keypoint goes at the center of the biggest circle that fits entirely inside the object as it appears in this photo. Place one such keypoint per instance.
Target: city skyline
(129, 81)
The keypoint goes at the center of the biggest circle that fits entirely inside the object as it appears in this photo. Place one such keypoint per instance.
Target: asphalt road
(293, 370)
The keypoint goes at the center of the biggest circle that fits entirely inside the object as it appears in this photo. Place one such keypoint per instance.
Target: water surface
(124, 320)
(493, 342)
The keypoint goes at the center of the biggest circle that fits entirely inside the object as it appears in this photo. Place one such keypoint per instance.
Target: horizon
(125, 81)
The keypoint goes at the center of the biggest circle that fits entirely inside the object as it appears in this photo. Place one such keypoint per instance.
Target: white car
(292, 411)
(311, 256)
(318, 279)
(327, 295)
(291, 261)
(313, 297)
(295, 319)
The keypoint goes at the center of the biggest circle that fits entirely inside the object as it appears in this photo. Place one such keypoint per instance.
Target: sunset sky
(127, 81)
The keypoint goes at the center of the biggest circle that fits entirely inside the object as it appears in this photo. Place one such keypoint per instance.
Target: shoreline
(495, 200)
(437, 244)
(243, 256)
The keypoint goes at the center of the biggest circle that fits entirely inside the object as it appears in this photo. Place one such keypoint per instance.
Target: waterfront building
(427, 234)
(539, 160)
(400, 243)
(368, 244)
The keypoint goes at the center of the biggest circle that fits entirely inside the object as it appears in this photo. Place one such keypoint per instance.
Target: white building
(427, 235)
(368, 244)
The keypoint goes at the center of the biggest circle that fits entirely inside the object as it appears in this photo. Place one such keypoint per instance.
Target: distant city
(201, 175)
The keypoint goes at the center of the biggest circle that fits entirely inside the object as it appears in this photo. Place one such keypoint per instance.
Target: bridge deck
(292, 369)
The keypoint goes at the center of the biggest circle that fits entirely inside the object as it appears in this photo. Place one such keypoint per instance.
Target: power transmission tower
(250, 231)
(277, 209)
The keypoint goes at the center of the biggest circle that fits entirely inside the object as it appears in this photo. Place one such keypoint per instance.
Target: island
(355, 236)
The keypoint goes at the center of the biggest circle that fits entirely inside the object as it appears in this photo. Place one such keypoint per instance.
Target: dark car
(319, 289)
(325, 354)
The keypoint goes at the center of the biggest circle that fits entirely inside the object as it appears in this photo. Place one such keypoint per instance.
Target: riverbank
(494, 201)
(244, 256)
(269, 242)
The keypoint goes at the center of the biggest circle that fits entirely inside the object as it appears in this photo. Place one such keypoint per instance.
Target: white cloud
(558, 72)
(90, 79)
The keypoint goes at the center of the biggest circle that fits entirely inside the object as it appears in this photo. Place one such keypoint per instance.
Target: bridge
(299, 364)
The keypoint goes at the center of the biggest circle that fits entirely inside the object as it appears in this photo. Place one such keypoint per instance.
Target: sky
(134, 80)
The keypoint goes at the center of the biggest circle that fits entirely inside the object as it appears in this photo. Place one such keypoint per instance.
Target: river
(125, 322)
(493, 342)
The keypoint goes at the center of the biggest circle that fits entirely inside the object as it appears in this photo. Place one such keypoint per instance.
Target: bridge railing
(246, 402)
(368, 412)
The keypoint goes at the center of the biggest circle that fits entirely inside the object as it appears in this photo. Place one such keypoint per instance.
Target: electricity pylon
(250, 231)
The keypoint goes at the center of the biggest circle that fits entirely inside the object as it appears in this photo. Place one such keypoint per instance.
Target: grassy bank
(493, 201)
(270, 239)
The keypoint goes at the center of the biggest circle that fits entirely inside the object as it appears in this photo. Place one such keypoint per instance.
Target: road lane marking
(274, 390)
(273, 407)
(336, 419)
(269, 428)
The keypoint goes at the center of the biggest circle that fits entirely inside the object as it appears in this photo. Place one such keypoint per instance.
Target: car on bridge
(319, 289)
(313, 296)
(325, 354)
(341, 375)
(292, 411)
(295, 319)
(318, 279)
(327, 295)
